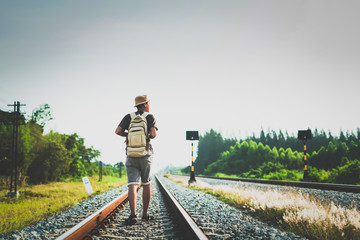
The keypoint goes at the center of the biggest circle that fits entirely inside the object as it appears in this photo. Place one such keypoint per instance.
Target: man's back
(139, 167)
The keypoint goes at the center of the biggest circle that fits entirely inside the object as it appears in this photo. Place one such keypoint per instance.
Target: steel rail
(89, 226)
(304, 184)
(194, 231)
(86, 228)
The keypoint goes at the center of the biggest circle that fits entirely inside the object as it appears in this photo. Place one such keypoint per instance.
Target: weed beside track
(38, 202)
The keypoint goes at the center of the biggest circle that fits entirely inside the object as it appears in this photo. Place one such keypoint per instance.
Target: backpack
(136, 142)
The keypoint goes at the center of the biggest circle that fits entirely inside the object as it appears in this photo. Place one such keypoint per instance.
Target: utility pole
(14, 167)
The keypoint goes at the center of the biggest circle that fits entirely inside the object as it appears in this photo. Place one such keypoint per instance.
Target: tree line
(47, 157)
(319, 139)
(278, 156)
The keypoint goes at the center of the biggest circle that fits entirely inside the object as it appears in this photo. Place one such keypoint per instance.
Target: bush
(283, 174)
(318, 175)
(269, 167)
(349, 173)
(265, 169)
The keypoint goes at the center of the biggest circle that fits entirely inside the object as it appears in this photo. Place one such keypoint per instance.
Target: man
(139, 167)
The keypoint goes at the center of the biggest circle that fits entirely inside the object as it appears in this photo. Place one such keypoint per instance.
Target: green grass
(38, 202)
(226, 175)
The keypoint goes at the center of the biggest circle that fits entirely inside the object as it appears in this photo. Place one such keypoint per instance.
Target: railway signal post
(192, 136)
(304, 135)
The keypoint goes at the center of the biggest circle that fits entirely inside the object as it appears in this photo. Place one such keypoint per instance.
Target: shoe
(147, 218)
(131, 220)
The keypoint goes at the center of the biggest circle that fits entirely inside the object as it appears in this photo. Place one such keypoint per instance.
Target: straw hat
(141, 100)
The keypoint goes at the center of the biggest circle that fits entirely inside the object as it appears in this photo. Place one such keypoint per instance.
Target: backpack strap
(132, 115)
(144, 115)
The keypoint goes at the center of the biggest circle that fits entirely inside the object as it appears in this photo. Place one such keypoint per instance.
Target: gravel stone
(54, 226)
(161, 227)
(343, 199)
(213, 213)
(216, 218)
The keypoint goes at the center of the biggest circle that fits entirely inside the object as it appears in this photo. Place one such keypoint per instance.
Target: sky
(233, 66)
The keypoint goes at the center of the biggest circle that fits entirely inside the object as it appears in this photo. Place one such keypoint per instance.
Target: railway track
(312, 185)
(216, 219)
(171, 220)
(193, 215)
(103, 216)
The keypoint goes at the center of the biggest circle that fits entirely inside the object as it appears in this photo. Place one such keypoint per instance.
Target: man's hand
(120, 131)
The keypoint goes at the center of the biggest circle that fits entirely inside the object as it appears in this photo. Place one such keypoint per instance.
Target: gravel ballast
(61, 222)
(222, 220)
(217, 219)
(343, 199)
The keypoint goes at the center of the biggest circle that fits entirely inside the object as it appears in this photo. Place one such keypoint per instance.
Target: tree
(42, 115)
(262, 137)
(209, 149)
(121, 167)
(349, 173)
(6, 144)
(5, 149)
(342, 137)
(269, 167)
(247, 156)
(52, 162)
(44, 158)
(274, 154)
(281, 139)
(77, 168)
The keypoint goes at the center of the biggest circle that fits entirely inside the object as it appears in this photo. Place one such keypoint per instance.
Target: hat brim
(142, 103)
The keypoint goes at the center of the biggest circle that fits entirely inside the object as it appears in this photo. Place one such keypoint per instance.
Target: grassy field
(289, 211)
(38, 202)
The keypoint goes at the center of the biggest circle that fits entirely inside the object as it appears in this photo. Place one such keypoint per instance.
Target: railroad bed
(216, 219)
(164, 225)
(342, 198)
(221, 221)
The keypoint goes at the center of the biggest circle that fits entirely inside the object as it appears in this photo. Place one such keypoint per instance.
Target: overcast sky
(234, 66)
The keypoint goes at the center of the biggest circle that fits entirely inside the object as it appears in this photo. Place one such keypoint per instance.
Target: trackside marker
(87, 185)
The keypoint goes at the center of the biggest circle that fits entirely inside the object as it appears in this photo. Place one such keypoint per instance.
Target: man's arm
(120, 131)
(152, 132)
